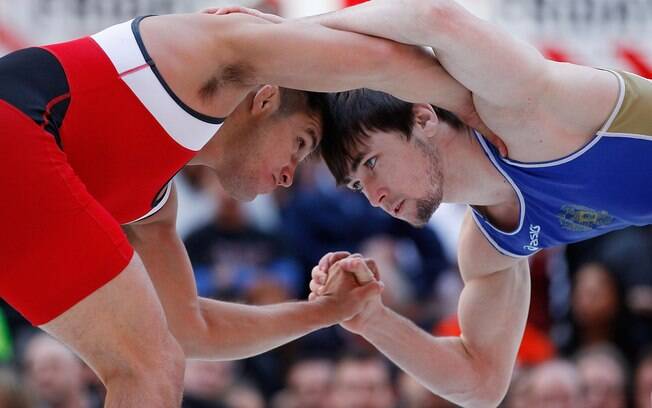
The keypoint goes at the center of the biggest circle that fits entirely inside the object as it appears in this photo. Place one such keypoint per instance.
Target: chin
(419, 215)
(242, 195)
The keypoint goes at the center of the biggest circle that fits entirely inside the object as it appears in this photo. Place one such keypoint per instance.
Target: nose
(287, 176)
(376, 196)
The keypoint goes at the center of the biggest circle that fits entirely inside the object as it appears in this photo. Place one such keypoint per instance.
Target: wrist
(373, 322)
(322, 312)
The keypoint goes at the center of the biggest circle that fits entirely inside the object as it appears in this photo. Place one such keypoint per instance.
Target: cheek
(276, 151)
(413, 174)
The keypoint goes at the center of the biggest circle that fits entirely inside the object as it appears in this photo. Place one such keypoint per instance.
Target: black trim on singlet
(135, 27)
(33, 81)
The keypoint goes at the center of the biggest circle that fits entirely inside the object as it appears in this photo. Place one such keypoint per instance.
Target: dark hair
(352, 115)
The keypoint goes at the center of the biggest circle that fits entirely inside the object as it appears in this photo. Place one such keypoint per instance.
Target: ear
(266, 100)
(425, 119)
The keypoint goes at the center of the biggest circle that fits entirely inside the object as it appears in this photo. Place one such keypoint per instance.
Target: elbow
(437, 10)
(191, 333)
(439, 18)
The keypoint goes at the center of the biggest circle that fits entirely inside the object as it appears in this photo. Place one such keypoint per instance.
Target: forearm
(234, 331)
(398, 20)
(389, 20)
(475, 368)
(441, 364)
(212, 329)
(303, 55)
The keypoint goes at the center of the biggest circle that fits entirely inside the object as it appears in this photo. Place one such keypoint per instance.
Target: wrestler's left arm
(515, 89)
(473, 369)
(211, 329)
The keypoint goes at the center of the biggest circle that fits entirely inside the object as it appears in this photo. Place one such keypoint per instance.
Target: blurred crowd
(588, 342)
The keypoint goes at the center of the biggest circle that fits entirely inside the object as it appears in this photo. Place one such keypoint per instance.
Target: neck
(469, 175)
(209, 154)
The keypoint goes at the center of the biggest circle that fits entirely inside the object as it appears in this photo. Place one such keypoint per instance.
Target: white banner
(608, 33)
(30, 22)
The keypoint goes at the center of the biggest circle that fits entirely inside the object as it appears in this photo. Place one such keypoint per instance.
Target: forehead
(303, 121)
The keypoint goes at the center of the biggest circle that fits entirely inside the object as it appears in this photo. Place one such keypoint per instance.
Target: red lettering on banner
(555, 54)
(636, 60)
(348, 3)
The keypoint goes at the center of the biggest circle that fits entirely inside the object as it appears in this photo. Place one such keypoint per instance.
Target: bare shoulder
(198, 31)
(581, 98)
(476, 256)
(200, 59)
(574, 104)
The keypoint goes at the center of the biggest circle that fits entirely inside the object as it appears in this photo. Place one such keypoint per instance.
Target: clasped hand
(352, 284)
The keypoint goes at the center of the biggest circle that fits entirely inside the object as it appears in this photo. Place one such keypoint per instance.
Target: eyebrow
(357, 160)
(354, 167)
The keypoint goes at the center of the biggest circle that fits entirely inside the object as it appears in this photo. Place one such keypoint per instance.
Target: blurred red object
(9, 40)
(536, 347)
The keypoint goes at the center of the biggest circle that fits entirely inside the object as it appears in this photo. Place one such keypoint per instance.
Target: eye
(356, 186)
(371, 163)
(301, 142)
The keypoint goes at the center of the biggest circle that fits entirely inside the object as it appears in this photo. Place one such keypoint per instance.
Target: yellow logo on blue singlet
(582, 219)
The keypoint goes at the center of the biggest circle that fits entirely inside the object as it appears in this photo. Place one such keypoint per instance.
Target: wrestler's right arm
(215, 330)
(304, 55)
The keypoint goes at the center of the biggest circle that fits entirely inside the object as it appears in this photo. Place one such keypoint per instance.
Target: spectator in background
(205, 382)
(362, 381)
(55, 374)
(12, 393)
(267, 370)
(643, 381)
(230, 254)
(555, 384)
(603, 373)
(518, 394)
(243, 395)
(411, 394)
(598, 314)
(628, 253)
(309, 382)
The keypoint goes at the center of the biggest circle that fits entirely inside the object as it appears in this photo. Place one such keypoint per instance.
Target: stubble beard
(427, 205)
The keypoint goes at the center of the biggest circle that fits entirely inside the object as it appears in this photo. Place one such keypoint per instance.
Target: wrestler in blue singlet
(605, 186)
